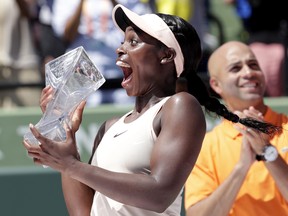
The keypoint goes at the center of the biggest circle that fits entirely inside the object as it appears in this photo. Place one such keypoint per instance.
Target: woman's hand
(76, 117)
(46, 97)
(57, 155)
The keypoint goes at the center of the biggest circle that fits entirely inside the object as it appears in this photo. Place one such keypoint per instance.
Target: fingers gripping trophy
(74, 77)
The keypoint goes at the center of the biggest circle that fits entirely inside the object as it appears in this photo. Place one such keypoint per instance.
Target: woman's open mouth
(127, 72)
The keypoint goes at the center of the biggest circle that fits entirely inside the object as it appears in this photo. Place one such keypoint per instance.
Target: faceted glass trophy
(73, 77)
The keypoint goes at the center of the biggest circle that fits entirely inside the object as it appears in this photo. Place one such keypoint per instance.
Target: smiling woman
(144, 150)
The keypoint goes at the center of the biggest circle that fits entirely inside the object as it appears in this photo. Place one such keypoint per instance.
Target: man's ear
(215, 85)
(169, 56)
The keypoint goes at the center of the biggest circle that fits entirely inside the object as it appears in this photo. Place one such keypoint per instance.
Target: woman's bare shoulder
(184, 101)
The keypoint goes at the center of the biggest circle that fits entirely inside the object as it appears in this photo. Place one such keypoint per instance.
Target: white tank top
(127, 147)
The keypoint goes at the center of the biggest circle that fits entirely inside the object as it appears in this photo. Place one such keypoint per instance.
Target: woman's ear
(169, 56)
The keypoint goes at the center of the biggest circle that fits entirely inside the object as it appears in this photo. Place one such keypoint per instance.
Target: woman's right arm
(78, 196)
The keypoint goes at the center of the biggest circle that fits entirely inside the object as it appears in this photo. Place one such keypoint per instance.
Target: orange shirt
(259, 195)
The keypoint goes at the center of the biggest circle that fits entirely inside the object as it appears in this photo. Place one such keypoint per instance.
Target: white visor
(152, 25)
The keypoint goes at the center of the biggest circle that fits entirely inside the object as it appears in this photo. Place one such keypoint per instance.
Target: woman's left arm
(175, 151)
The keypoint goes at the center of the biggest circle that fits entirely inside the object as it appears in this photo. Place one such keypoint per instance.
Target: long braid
(197, 87)
(190, 44)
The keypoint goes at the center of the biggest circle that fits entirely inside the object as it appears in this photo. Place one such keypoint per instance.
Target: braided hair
(190, 44)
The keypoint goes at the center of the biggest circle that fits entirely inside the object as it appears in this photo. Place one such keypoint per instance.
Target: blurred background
(34, 32)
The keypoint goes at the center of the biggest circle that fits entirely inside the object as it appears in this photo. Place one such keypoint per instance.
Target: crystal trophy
(74, 77)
